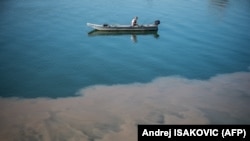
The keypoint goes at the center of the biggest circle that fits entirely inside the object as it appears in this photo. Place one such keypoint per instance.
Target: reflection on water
(133, 34)
(218, 7)
(134, 38)
(219, 3)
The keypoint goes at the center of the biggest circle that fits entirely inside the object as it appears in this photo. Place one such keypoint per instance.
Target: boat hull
(106, 27)
(125, 32)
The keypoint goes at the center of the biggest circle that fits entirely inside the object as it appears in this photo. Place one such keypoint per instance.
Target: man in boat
(134, 21)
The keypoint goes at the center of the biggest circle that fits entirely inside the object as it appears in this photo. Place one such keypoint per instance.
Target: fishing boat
(107, 27)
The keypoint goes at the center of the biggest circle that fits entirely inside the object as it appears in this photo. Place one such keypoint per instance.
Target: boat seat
(105, 25)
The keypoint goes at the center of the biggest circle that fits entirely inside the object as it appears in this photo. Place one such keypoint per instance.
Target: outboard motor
(157, 22)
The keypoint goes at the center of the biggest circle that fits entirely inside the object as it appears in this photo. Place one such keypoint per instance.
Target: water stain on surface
(102, 113)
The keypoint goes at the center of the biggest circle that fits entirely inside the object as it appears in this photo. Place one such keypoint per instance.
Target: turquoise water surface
(46, 51)
(58, 82)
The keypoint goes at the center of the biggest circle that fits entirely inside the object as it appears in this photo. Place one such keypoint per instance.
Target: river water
(97, 87)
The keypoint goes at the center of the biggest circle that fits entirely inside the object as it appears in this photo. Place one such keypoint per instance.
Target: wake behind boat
(107, 27)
